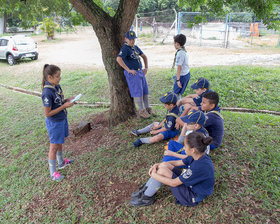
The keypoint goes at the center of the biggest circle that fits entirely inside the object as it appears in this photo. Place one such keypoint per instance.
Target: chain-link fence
(234, 30)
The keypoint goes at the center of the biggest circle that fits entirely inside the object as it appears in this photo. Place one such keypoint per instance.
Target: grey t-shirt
(183, 60)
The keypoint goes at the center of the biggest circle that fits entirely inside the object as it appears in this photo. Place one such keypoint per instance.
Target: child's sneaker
(57, 176)
(144, 114)
(142, 201)
(135, 132)
(66, 163)
(150, 111)
(137, 143)
(139, 192)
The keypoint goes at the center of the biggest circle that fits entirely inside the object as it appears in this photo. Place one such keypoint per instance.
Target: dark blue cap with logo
(200, 83)
(169, 97)
(130, 35)
(194, 116)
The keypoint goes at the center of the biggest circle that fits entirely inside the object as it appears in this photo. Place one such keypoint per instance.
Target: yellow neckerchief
(58, 91)
(216, 112)
(174, 61)
(169, 114)
(137, 55)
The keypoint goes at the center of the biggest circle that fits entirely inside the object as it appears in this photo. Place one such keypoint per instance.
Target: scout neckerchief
(137, 56)
(169, 114)
(59, 92)
(180, 49)
(216, 112)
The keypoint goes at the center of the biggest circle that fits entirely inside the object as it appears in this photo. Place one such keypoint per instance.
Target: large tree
(110, 31)
(110, 28)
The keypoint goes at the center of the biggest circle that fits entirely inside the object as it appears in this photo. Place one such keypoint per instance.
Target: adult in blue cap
(129, 58)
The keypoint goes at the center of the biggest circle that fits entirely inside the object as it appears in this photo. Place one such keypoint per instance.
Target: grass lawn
(97, 186)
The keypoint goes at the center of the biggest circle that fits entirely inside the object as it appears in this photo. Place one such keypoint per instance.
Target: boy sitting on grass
(214, 123)
(193, 122)
(163, 130)
(193, 101)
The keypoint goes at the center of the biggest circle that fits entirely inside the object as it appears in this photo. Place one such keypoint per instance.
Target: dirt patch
(107, 194)
(90, 141)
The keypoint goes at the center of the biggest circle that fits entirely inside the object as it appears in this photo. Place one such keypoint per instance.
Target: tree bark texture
(110, 32)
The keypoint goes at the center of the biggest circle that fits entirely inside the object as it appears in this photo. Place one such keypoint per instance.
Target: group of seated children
(186, 166)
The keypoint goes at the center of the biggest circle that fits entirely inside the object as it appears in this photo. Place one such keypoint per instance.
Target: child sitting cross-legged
(193, 122)
(163, 130)
(190, 186)
(193, 101)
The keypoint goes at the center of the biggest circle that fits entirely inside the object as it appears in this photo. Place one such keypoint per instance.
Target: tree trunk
(122, 105)
(110, 32)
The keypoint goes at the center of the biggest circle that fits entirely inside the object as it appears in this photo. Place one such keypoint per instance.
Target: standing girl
(56, 118)
(188, 187)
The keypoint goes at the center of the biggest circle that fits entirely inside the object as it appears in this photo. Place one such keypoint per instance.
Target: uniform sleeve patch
(187, 174)
(46, 101)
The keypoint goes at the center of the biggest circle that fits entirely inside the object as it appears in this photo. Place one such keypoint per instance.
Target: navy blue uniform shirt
(214, 124)
(199, 175)
(53, 97)
(170, 120)
(131, 56)
(198, 99)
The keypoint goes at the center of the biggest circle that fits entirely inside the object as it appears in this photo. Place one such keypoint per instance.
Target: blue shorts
(174, 147)
(182, 193)
(137, 84)
(58, 130)
(169, 134)
(184, 80)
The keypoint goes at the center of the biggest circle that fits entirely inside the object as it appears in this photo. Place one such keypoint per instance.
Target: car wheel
(35, 57)
(11, 60)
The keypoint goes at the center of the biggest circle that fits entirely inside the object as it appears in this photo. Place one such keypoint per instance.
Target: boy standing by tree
(129, 60)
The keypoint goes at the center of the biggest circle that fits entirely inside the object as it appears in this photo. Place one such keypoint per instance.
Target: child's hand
(145, 70)
(169, 153)
(177, 126)
(154, 168)
(179, 84)
(133, 72)
(153, 132)
(155, 126)
(68, 104)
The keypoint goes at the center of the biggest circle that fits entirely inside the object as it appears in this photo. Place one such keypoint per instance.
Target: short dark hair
(213, 97)
(198, 141)
(180, 39)
(170, 104)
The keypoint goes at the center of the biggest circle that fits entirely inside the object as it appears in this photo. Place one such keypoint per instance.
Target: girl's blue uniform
(198, 181)
(57, 125)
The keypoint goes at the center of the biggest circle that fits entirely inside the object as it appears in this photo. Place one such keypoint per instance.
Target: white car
(13, 48)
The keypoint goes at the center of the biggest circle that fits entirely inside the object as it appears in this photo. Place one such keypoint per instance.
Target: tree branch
(91, 11)
(125, 14)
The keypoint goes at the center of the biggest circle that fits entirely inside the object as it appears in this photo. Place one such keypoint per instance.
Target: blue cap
(130, 35)
(194, 116)
(169, 97)
(200, 83)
